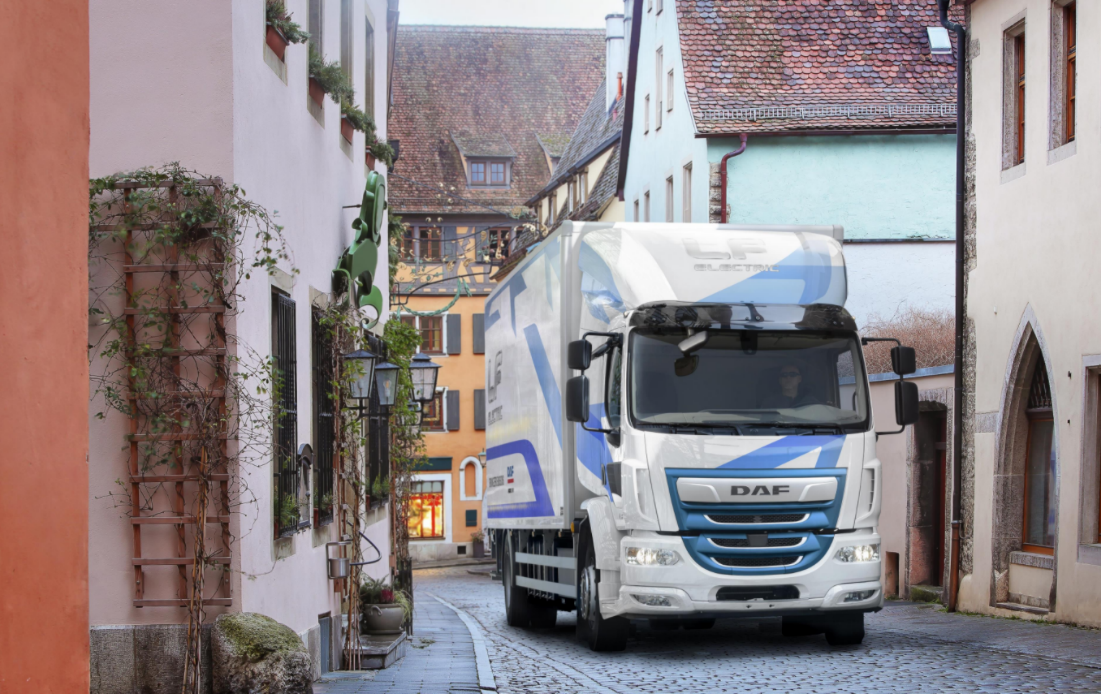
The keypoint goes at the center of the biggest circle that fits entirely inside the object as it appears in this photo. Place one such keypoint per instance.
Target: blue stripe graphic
(547, 384)
(788, 449)
(592, 446)
(801, 278)
(541, 506)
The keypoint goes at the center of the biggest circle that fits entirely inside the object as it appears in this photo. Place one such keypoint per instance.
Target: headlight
(644, 556)
(653, 600)
(858, 553)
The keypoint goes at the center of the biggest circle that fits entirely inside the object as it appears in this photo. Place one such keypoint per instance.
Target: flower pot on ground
(277, 42)
(382, 609)
(478, 540)
(316, 92)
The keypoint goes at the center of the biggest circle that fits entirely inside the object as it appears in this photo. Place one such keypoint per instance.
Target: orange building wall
(466, 373)
(43, 347)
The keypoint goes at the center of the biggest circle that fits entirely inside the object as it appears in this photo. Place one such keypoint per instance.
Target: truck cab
(712, 452)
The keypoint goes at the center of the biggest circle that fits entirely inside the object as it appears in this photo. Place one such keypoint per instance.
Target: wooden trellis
(192, 344)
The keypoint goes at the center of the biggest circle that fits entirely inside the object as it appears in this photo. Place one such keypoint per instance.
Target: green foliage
(375, 592)
(331, 78)
(380, 489)
(383, 152)
(288, 512)
(257, 636)
(280, 20)
(359, 120)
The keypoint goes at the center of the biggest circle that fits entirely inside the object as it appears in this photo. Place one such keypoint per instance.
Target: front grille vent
(749, 519)
(757, 562)
(743, 542)
(746, 593)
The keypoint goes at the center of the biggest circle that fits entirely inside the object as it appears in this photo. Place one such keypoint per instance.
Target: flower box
(346, 128)
(277, 42)
(316, 92)
(370, 160)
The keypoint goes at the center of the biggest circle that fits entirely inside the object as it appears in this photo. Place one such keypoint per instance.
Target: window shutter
(450, 245)
(479, 328)
(454, 334)
(452, 410)
(480, 410)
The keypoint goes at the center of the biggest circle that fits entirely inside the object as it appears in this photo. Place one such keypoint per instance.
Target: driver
(791, 392)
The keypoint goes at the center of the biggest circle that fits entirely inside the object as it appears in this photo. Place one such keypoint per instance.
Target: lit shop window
(426, 510)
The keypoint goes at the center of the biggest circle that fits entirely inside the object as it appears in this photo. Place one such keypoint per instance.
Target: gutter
(722, 176)
(629, 110)
(820, 133)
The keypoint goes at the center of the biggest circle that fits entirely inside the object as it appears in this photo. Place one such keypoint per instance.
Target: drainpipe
(722, 177)
(957, 417)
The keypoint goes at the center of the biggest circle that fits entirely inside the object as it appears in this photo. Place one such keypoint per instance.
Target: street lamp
(482, 458)
(361, 387)
(423, 372)
(386, 380)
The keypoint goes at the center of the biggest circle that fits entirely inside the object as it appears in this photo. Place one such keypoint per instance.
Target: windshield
(749, 379)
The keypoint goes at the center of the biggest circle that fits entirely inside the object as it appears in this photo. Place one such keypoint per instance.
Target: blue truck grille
(756, 539)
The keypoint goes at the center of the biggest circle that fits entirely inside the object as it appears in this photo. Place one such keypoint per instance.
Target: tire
(601, 634)
(847, 631)
(698, 623)
(543, 614)
(793, 628)
(517, 608)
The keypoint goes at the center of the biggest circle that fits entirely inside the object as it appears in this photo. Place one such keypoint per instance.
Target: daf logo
(759, 490)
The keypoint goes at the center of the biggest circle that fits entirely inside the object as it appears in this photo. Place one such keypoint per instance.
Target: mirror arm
(865, 340)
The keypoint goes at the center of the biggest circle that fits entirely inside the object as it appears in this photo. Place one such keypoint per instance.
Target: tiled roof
(487, 86)
(493, 145)
(792, 65)
(555, 145)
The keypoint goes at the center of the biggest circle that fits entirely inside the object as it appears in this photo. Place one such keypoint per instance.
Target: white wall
(887, 278)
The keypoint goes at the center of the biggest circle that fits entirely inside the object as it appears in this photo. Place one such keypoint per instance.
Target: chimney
(613, 58)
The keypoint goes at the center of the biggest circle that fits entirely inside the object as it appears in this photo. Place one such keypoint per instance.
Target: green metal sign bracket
(357, 268)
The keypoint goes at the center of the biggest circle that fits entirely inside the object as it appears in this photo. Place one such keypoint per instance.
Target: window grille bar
(286, 421)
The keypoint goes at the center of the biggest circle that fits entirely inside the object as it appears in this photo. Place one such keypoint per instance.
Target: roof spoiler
(836, 232)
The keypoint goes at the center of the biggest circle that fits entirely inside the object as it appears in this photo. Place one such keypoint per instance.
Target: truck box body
(686, 470)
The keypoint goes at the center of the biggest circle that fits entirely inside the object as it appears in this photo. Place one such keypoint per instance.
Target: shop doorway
(927, 508)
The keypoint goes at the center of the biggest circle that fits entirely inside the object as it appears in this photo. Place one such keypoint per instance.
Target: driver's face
(790, 378)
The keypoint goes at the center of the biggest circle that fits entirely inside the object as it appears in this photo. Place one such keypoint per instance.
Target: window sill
(1013, 173)
(1063, 152)
(277, 66)
(1089, 554)
(1038, 561)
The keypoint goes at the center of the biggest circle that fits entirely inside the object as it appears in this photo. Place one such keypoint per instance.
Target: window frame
(417, 493)
(669, 91)
(646, 206)
(284, 351)
(659, 75)
(439, 403)
(646, 115)
(1038, 409)
(686, 193)
(488, 165)
(323, 369)
(412, 244)
(369, 68)
(1070, 57)
(669, 197)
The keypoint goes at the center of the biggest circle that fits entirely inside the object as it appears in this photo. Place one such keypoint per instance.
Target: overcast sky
(587, 14)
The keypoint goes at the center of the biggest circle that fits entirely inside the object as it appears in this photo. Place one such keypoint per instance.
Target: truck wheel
(543, 614)
(517, 613)
(846, 630)
(601, 634)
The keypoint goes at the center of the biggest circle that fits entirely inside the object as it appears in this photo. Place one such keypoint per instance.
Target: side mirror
(903, 360)
(906, 402)
(577, 396)
(579, 354)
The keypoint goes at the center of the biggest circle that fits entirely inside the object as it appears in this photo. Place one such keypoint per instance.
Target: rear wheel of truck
(517, 613)
(601, 634)
(845, 630)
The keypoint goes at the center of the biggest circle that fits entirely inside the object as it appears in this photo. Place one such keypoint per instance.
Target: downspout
(957, 416)
(722, 177)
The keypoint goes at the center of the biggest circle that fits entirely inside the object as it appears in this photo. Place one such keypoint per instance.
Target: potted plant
(281, 31)
(328, 78)
(323, 505)
(380, 491)
(383, 610)
(352, 119)
(378, 150)
(479, 540)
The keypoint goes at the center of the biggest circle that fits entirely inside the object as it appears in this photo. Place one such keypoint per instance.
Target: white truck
(679, 430)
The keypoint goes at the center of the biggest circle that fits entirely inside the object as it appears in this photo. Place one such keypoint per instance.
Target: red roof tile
(489, 89)
(792, 65)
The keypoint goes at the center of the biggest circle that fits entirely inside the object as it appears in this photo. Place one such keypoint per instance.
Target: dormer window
(490, 174)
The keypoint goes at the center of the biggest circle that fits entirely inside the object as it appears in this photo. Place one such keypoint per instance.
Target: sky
(585, 14)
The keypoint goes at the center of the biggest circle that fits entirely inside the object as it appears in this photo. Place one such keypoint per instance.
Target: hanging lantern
(361, 387)
(423, 371)
(386, 380)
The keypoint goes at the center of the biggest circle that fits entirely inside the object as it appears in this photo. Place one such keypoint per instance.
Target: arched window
(470, 480)
(469, 483)
(1040, 468)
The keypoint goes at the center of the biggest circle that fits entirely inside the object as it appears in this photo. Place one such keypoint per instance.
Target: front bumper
(691, 590)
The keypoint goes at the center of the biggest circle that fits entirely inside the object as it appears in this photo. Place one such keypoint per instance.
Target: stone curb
(486, 682)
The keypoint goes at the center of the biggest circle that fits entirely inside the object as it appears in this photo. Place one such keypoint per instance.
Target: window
(433, 414)
(284, 355)
(470, 486)
(646, 115)
(613, 397)
(669, 90)
(489, 173)
(571, 193)
(426, 510)
(646, 206)
(422, 243)
(636, 210)
(669, 199)
(369, 71)
(346, 42)
(1070, 41)
(1040, 468)
(471, 519)
(661, 6)
(431, 330)
(494, 245)
(659, 75)
(686, 193)
(324, 431)
(314, 24)
(552, 210)
(1013, 106)
(583, 186)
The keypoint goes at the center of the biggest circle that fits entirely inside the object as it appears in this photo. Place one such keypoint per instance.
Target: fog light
(858, 553)
(859, 595)
(653, 600)
(644, 556)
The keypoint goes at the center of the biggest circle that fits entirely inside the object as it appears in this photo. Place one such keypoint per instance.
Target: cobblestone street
(908, 648)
